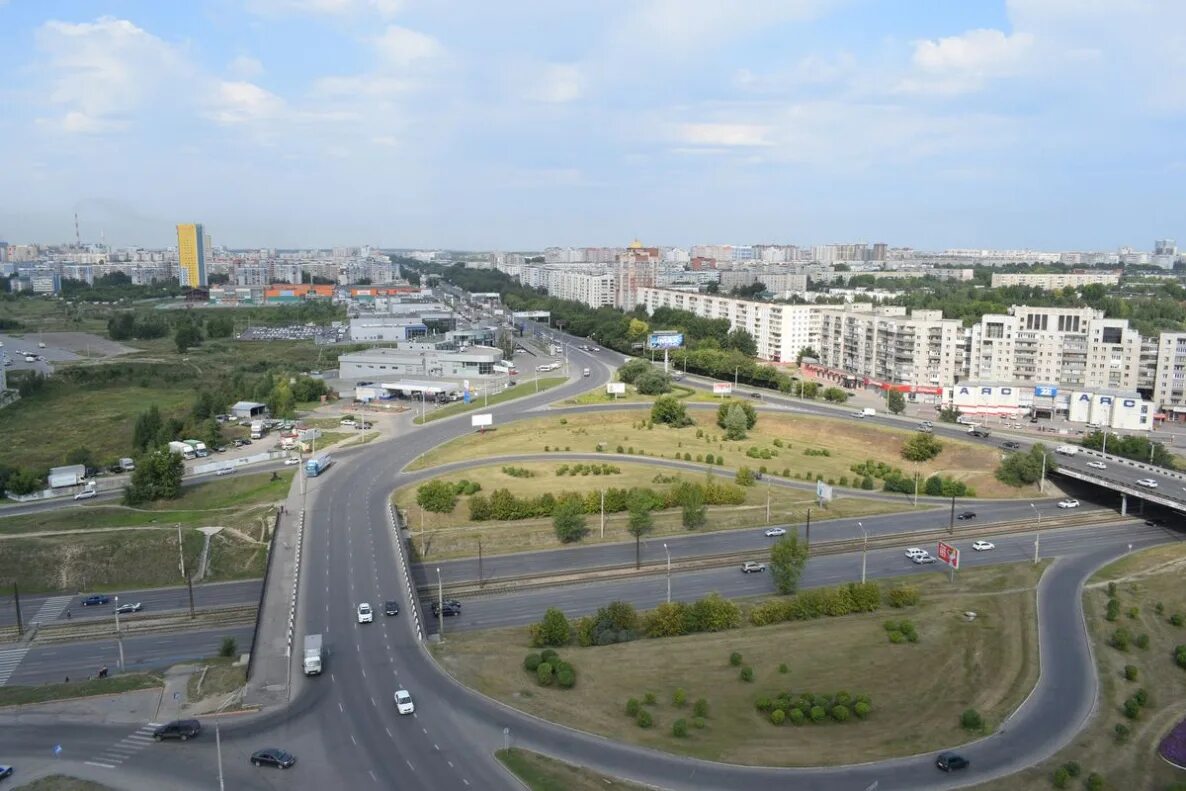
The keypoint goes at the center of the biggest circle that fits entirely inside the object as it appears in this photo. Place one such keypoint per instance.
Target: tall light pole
(665, 549)
(1038, 534)
(218, 746)
(440, 606)
(180, 551)
(864, 549)
(916, 486)
(603, 513)
(119, 640)
(736, 370)
(1042, 480)
(1104, 447)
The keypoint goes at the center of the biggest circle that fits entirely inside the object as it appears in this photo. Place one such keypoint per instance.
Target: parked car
(86, 494)
(451, 607)
(365, 614)
(1148, 483)
(915, 552)
(966, 515)
(1068, 503)
(1097, 465)
(273, 756)
(124, 609)
(923, 558)
(391, 608)
(774, 532)
(97, 598)
(403, 702)
(225, 470)
(291, 461)
(178, 729)
(983, 546)
(752, 566)
(949, 762)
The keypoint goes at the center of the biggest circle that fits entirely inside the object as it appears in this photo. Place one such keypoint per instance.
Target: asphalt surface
(49, 609)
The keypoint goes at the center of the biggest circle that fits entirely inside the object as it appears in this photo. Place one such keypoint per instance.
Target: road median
(130, 626)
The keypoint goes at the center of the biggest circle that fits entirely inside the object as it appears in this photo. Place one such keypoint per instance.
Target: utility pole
(736, 369)
(665, 549)
(864, 550)
(479, 561)
(180, 550)
(16, 597)
(1037, 535)
(603, 513)
(1042, 480)
(768, 485)
(119, 637)
(916, 486)
(1104, 449)
(189, 583)
(440, 606)
(809, 528)
(951, 524)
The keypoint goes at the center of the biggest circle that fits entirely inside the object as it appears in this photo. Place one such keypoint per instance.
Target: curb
(413, 602)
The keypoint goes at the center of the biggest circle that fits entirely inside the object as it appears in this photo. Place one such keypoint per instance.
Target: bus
(317, 465)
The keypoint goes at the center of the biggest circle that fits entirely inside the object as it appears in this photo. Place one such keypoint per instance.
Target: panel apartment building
(1055, 280)
(887, 346)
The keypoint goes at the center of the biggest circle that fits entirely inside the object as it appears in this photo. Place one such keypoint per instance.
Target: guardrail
(413, 598)
(1140, 465)
(840, 546)
(263, 593)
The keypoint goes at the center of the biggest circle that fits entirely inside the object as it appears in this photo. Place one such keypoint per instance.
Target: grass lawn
(524, 388)
(222, 677)
(15, 696)
(62, 783)
(39, 431)
(541, 773)
(454, 535)
(361, 440)
(1142, 580)
(918, 690)
(847, 441)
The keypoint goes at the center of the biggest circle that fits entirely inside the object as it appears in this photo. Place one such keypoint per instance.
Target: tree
(735, 423)
(439, 497)
(640, 522)
(949, 414)
(835, 395)
(694, 513)
(121, 326)
(633, 369)
(921, 447)
(81, 455)
(742, 341)
(806, 351)
(24, 481)
(1021, 469)
(186, 336)
(751, 414)
(157, 477)
(895, 402)
(553, 630)
(671, 411)
(787, 558)
(653, 382)
(568, 520)
(220, 326)
(147, 428)
(281, 402)
(506, 342)
(637, 329)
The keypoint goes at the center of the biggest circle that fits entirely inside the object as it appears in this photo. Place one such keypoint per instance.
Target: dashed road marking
(10, 659)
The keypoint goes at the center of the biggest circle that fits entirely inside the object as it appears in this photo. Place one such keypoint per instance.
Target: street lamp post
(119, 640)
(1042, 480)
(864, 550)
(1038, 534)
(1104, 447)
(440, 606)
(665, 549)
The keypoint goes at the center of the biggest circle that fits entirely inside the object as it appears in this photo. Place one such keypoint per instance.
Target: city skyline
(314, 123)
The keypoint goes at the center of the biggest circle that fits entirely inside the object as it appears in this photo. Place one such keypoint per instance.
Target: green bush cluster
(1135, 704)
(1120, 639)
(754, 452)
(711, 613)
(1131, 672)
(935, 486)
(903, 596)
(617, 622)
(518, 472)
(588, 469)
(842, 600)
(1177, 619)
(875, 469)
(901, 631)
(816, 452)
(1180, 656)
(971, 720)
(1112, 611)
(502, 505)
(548, 669)
(816, 708)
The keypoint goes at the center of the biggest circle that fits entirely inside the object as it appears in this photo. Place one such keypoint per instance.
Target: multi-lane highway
(45, 609)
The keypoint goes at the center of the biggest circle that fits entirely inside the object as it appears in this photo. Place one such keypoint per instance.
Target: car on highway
(596, 348)
(178, 729)
(451, 607)
(273, 756)
(225, 470)
(5, 771)
(1068, 503)
(97, 598)
(950, 762)
(966, 515)
(924, 558)
(1155, 522)
(365, 614)
(926, 429)
(391, 608)
(1148, 483)
(346, 421)
(130, 607)
(1097, 465)
(983, 546)
(1011, 445)
(403, 702)
(86, 494)
(927, 423)
(289, 462)
(774, 532)
(914, 552)
(752, 566)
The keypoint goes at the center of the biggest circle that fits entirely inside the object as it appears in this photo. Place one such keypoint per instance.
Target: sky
(519, 124)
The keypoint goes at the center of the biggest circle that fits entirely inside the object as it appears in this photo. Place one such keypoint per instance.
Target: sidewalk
(271, 678)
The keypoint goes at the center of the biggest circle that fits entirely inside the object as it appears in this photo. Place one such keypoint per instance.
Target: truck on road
(976, 430)
(313, 656)
(257, 429)
(318, 464)
(1067, 450)
(182, 448)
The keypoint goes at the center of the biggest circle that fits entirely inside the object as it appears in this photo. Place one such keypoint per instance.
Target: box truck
(257, 429)
(312, 655)
(180, 447)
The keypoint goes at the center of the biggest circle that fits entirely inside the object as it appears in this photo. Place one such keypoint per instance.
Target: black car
(178, 729)
(967, 515)
(1155, 522)
(98, 598)
(451, 607)
(1010, 445)
(755, 395)
(391, 608)
(949, 762)
(273, 756)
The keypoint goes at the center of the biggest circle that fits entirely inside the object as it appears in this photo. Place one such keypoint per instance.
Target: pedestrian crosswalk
(125, 748)
(51, 608)
(9, 659)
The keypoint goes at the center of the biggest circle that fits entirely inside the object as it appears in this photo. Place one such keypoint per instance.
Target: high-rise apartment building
(1169, 384)
(1165, 247)
(890, 346)
(1054, 280)
(191, 255)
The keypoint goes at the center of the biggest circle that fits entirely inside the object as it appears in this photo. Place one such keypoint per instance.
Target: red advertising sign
(949, 555)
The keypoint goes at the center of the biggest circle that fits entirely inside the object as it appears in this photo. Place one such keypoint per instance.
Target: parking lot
(296, 332)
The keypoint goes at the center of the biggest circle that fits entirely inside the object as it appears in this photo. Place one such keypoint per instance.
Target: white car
(346, 421)
(225, 470)
(983, 546)
(292, 461)
(774, 532)
(86, 494)
(365, 614)
(403, 702)
(1068, 503)
(923, 558)
(915, 552)
(1148, 483)
(1097, 465)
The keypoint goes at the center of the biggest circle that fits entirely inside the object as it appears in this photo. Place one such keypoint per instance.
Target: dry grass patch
(454, 535)
(848, 441)
(218, 676)
(1143, 579)
(541, 773)
(918, 690)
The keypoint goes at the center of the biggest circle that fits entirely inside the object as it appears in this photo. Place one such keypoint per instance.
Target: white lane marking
(96, 763)
(409, 763)
(354, 740)
(371, 772)
(341, 709)
(389, 733)
(10, 659)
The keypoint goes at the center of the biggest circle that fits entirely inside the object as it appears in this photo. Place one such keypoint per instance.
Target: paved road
(48, 608)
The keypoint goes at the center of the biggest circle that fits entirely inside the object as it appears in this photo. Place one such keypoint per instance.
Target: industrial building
(475, 361)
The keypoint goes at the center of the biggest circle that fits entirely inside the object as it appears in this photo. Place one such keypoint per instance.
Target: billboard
(615, 388)
(481, 421)
(722, 388)
(823, 491)
(665, 340)
(949, 555)
(1045, 391)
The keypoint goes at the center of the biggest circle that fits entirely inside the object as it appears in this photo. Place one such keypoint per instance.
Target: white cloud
(240, 102)
(557, 83)
(403, 47)
(101, 72)
(964, 63)
(811, 70)
(245, 67)
(723, 134)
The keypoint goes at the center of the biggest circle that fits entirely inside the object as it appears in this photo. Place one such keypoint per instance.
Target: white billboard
(665, 340)
(481, 421)
(722, 388)
(615, 388)
(823, 492)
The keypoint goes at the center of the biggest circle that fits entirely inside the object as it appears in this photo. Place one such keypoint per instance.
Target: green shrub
(531, 662)
(1132, 709)
(698, 723)
(644, 719)
(783, 668)
(840, 713)
(1120, 639)
(1122, 732)
(763, 704)
(679, 697)
(679, 728)
(566, 678)
(1133, 612)
(1094, 782)
(818, 714)
(1131, 672)
(861, 709)
(650, 699)
(1141, 697)
(700, 707)
(1177, 619)
(796, 716)
(544, 674)
(735, 659)
(1111, 590)
(1142, 641)
(971, 720)
(1073, 768)
(897, 637)
(1060, 779)
(903, 596)
(632, 707)
(1159, 608)
(747, 673)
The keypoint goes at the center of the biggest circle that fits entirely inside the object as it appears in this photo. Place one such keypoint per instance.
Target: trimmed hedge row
(809, 604)
(814, 708)
(502, 505)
